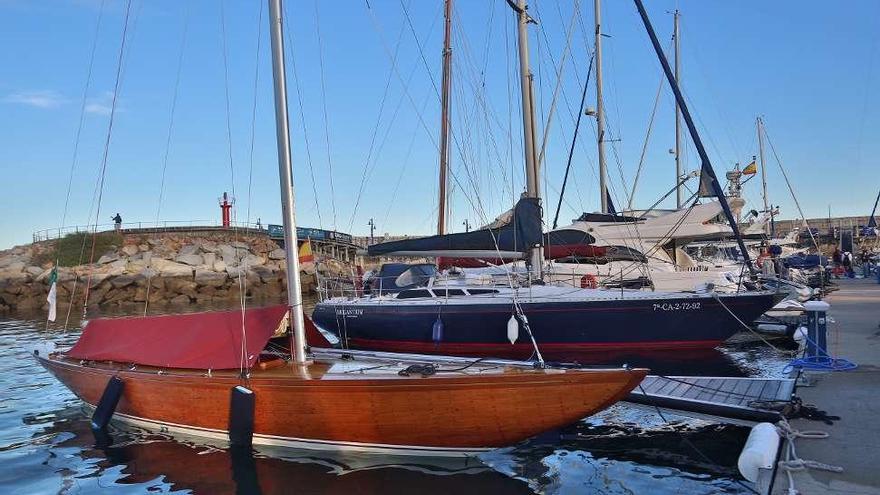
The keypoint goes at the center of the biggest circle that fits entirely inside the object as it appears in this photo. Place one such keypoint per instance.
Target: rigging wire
(368, 167)
(242, 280)
(632, 192)
(226, 93)
(76, 142)
(573, 141)
(324, 108)
(290, 53)
(565, 51)
(168, 144)
(106, 152)
(788, 183)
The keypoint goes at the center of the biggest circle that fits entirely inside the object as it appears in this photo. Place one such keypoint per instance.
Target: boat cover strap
(207, 340)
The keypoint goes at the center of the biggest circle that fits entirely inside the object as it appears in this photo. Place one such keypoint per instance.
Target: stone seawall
(178, 268)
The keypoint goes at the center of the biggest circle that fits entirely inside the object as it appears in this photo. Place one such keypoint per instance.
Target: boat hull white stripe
(302, 443)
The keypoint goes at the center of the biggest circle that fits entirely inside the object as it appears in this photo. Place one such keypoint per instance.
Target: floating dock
(852, 395)
(725, 399)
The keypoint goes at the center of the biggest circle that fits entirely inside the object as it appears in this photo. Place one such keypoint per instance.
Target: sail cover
(209, 340)
(521, 232)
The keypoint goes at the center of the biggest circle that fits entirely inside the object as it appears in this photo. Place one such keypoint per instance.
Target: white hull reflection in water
(46, 446)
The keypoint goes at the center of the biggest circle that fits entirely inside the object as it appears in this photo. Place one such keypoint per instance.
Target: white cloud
(36, 98)
(101, 105)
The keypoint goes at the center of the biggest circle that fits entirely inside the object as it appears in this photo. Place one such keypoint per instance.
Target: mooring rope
(792, 463)
(750, 329)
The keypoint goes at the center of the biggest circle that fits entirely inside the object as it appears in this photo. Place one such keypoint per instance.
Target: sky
(193, 98)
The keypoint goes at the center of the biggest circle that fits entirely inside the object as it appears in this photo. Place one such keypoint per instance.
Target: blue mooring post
(817, 328)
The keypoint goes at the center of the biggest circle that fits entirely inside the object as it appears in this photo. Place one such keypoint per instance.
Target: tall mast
(600, 109)
(767, 207)
(678, 171)
(282, 134)
(706, 171)
(444, 115)
(533, 189)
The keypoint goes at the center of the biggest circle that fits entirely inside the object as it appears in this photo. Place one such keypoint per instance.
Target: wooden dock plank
(721, 396)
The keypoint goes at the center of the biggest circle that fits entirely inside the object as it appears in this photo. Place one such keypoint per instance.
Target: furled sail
(509, 237)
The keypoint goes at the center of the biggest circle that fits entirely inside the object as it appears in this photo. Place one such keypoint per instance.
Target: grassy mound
(76, 248)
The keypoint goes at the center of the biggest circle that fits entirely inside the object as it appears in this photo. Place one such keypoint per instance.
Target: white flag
(52, 298)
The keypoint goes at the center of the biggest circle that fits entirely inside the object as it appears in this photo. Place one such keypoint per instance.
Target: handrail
(130, 227)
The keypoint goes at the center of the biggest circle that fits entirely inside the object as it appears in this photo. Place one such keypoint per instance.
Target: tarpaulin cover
(804, 261)
(210, 340)
(521, 233)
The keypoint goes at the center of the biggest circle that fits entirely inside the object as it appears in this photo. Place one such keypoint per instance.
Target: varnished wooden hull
(427, 416)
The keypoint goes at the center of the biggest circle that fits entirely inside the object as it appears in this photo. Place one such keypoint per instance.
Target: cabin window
(478, 292)
(416, 275)
(448, 292)
(414, 293)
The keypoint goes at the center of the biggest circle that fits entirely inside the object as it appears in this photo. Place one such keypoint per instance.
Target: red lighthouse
(226, 208)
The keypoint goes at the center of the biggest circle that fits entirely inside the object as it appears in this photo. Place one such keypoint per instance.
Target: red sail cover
(210, 340)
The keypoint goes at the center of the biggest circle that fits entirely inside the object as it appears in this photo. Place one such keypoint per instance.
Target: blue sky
(808, 69)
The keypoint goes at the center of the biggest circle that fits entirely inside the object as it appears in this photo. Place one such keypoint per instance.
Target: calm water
(46, 446)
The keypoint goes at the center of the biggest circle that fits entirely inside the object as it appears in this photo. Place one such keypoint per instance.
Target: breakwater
(175, 268)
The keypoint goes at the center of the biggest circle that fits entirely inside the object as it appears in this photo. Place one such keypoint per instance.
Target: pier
(852, 395)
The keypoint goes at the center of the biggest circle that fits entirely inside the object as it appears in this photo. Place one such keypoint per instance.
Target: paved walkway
(854, 396)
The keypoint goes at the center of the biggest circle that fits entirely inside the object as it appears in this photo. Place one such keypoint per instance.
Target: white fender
(512, 329)
(759, 451)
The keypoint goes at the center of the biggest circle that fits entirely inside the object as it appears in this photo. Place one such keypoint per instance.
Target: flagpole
(768, 209)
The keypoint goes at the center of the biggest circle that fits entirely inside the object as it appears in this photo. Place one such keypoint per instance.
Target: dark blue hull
(561, 329)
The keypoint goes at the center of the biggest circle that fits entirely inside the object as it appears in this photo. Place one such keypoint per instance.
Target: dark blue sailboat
(416, 309)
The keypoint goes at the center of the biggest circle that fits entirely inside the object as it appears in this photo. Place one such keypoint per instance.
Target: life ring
(588, 281)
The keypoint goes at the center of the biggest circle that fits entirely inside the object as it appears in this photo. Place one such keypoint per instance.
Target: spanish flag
(751, 169)
(305, 252)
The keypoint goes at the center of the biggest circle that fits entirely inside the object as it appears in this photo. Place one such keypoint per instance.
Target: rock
(209, 259)
(108, 258)
(14, 267)
(189, 259)
(266, 274)
(210, 278)
(227, 253)
(240, 245)
(181, 299)
(171, 269)
(44, 275)
(130, 250)
(277, 254)
(7, 260)
(253, 260)
(179, 285)
(219, 266)
(143, 248)
(121, 281)
(34, 271)
(189, 249)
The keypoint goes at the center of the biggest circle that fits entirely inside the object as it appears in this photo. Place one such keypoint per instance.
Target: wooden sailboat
(192, 373)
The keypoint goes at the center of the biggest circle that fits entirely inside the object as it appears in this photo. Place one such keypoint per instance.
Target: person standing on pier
(837, 258)
(117, 222)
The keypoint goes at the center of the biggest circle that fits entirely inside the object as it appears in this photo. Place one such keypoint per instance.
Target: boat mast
(282, 134)
(600, 109)
(444, 115)
(706, 170)
(533, 189)
(767, 208)
(678, 171)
